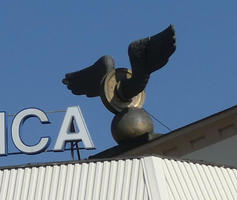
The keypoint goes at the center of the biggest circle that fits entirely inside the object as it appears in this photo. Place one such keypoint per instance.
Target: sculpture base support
(131, 123)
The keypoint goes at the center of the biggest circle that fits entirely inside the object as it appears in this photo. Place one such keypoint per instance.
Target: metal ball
(131, 123)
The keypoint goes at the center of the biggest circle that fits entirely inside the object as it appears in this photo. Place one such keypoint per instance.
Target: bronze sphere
(131, 123)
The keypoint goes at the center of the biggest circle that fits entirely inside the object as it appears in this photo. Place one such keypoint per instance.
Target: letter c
(19, 120)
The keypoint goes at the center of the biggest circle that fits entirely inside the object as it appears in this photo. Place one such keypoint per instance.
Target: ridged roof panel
(186, 180)
(139, 178)
(121, 179)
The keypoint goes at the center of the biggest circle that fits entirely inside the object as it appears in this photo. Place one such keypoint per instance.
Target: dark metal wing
(88, 80)
(152, 53)
(146, 56)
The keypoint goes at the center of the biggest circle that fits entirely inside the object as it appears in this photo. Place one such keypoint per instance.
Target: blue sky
(40, 41)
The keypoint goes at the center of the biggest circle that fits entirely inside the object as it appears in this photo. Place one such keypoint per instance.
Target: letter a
(65, 135)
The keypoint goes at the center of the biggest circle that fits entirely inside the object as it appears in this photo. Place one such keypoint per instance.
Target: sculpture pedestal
(130, 124)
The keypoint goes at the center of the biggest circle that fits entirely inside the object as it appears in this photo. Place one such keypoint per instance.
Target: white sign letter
(19, 121)
(65, 135)
(3, 138)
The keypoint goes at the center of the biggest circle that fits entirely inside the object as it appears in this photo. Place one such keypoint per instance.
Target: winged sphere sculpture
(122, 88)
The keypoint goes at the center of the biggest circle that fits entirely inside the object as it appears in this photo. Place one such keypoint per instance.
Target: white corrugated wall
(186, 180)
(121, 179)
(142, 178)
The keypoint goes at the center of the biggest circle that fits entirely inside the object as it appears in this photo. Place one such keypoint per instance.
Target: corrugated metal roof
(138, 178)
(186, 180)
(122, 179)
